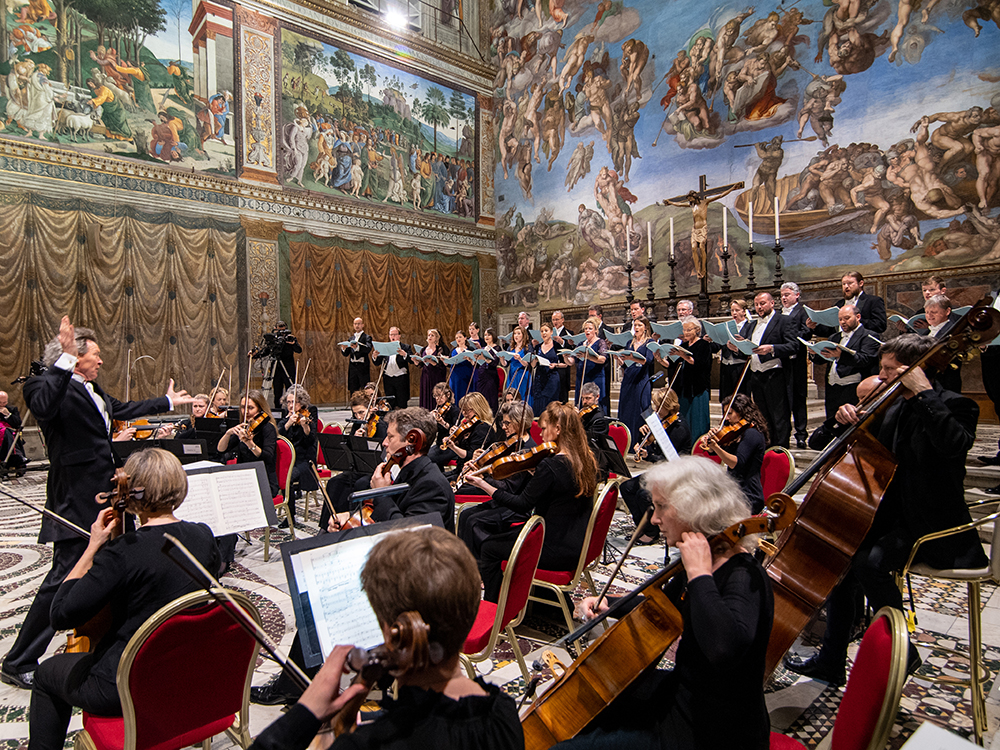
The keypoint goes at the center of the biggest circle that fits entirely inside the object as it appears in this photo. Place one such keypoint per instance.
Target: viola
(727, 434)
(627, 648)
(587, 410)
(414, 444)
(371, 427)
(442, 410)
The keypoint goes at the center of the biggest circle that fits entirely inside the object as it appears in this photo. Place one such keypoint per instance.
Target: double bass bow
(849, 479)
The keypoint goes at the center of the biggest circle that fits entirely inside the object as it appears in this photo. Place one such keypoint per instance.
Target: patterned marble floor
(799, 707)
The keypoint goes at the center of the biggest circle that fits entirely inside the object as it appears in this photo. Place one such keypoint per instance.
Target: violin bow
(738, 385)
(621, 560)
(48, 514)
(246, 398)
(218, 383)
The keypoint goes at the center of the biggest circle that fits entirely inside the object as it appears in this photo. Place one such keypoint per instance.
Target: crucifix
(698, 201)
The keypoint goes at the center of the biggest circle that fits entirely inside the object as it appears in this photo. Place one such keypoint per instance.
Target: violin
(726, 435)
(477, 466)
(666, 422)
(628, 647)
(442, 410)
(587, 410)
(458, 430)
(371, 426)
(522, 460)
(86, 637)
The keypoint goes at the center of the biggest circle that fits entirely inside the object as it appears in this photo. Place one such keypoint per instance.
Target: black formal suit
(358, 371)
(797, 373)
(429, 493)
(13, 423)
(82, 463)
(562, 332)
(397, 387)
(951, 378)
(847, 365)
(602, 333)
(284, 370)
(768, 387)
(872, 312)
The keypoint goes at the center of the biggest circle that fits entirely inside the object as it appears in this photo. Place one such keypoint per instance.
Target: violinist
(429, 492)
(561, 491)
(510, 395)
(298, 424)
(199, 408)
(219, 400)
(473, 431)
(637, 499)
(930, 431)
(437, 706)
(479, 522)
(741, 444)
(714, 696)
(446, 412)
(132, 575)
(256, 439)
(365, 421)
(75, 416)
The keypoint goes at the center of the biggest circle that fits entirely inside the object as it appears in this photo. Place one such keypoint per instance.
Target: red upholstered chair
(498, 620)
(321, 469)
(622, 436)
(777, 470)
(319, 424)
(536, 432)
(502, 375)
(559, 581)
(697, 450)
(285, 461)
(871, 698)
(184, 677)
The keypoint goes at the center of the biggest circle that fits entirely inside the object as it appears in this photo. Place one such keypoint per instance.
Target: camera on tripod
(271, 343)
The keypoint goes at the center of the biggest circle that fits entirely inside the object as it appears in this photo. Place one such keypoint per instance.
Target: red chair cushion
(698, 451)
(279, 499)
(325, 473)
(463, 499)
(108, 733)
(536, 432)
(479, 635)
(620, 436)
(781, 742)
(866, 687)
(557, 577)
(774, 472)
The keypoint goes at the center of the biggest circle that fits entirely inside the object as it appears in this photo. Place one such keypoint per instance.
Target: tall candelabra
(724, 298)
(650, 294)
(672, 298)
(751, 284)
(629, 296)
(778, 281)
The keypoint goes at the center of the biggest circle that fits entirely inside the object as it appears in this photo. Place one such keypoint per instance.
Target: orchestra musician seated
(437, 706)
(714, 696)
(298, 424)
(199, 409)
(561, 491)
(930, 431)
(446, 412)
(474, 430)
(741, 444)
(127, 572)
(637, 499)
(219, 400)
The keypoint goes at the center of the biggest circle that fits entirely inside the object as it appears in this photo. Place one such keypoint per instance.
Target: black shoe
(992, 490)
(816, 669)
(645, 541)
(283, 524)
(801, 445)
(23, 680)
(270, 694)
(989, 460)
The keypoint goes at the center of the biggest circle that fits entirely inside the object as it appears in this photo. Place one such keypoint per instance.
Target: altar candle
(725, 227)
(649, 239)
(671, 238)
(750, 240)
(777, 226)
(628, 247)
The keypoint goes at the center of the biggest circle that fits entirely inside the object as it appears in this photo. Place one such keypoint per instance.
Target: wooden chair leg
(267, 543)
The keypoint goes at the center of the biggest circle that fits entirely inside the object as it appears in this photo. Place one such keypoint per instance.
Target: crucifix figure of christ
(699, 200)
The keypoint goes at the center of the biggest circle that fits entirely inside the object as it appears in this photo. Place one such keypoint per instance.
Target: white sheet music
(227, 501)
(331, 576)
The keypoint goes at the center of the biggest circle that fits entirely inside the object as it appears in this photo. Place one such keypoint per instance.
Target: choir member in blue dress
(545, 388)
(486, 379)
(460, 381)
(432, 374)
(474, 340)
(636, 388)
(519, 374)
(591, 370)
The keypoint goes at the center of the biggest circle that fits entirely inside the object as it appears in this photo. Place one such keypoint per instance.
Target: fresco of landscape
(356, 127)
(874, 123)
(117, 78)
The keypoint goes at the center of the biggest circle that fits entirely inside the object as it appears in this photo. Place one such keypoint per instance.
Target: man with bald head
(846, 370)
(358, 371)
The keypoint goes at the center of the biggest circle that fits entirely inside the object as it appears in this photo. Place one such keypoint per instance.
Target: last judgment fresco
(868, 128)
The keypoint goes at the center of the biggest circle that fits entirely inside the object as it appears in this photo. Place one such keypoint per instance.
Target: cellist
(930, 431)
(714, 696)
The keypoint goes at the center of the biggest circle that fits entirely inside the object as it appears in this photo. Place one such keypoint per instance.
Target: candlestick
(649, 239)
(671, 237)
(777, 226)
(750, 236)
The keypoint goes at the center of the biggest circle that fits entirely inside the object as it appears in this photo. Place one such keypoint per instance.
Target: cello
(849, 479)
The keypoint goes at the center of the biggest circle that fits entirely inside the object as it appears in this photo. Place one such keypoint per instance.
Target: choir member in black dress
(695, 378)
(743, 455)
(546, 383)
(714, 696)
(298, 424)
(561, 491)
(131, 574)
(432, 373)
(486, 379)
(437, 706)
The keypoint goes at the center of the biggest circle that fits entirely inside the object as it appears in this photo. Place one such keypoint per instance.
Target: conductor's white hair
(53, 349)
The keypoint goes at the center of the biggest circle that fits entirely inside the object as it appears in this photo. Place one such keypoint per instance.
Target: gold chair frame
(628, 435)
(286, 493)
(973, 578)
(508, 631)
(239, 732)
(791, 461)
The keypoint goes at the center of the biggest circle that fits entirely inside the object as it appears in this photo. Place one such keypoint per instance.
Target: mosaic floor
(799, 707)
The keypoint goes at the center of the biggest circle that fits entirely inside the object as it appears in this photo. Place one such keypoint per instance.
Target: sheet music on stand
(662, 439)
(324, 582)
(228, 498)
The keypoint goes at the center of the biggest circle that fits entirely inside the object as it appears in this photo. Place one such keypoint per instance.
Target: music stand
(616, 462)
(365, 452)
(336, 452)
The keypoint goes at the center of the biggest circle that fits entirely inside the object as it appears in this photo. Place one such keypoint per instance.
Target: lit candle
(725, 227)
(628, 247)
(649, 239)
(750, 240)
(671, 238)
(777, 225)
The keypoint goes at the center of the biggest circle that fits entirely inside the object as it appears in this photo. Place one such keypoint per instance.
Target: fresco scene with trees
(355, 127)
(873, 123)
(119, 77)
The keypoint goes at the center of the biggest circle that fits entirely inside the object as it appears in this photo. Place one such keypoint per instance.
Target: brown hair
(414, 418)
(258, 398)
(429, 571)
(162, 479)
(746, 408)
(358, 398)
(665, 402)
(573, 440)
